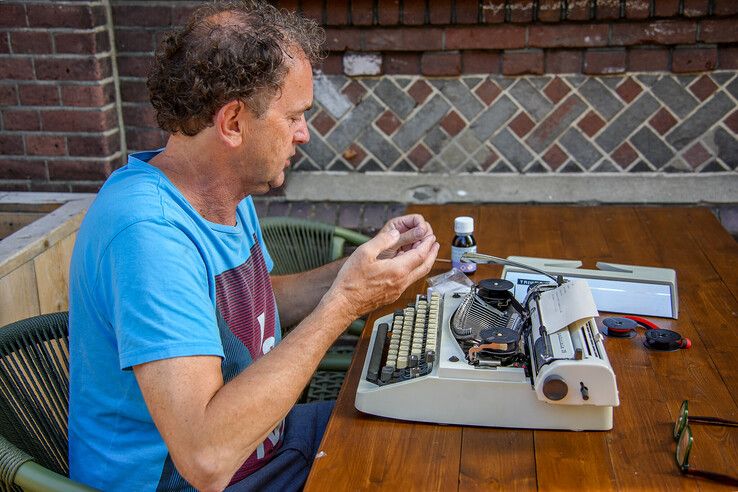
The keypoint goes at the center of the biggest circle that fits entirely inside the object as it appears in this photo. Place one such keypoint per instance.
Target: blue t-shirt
(151, 279)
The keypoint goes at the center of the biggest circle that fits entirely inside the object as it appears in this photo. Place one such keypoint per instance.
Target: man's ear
(229, 122)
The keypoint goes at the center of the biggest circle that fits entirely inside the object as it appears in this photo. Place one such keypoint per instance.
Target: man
(178, 376)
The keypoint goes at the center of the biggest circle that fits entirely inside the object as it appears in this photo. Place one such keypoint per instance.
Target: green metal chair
(34, 405)
(297, 245)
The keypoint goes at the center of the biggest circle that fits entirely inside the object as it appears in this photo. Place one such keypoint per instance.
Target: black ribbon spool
(619, 327)
(499, 335)
(497, 293)
(663, 340)
(492, 289)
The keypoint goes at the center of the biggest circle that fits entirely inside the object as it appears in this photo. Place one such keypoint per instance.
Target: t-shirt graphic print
(246, 306)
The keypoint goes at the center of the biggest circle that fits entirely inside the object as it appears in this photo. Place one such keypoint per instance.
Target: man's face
(270, 141)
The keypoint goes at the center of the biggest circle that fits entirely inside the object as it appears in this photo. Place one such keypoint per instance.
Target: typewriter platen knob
(555, 388)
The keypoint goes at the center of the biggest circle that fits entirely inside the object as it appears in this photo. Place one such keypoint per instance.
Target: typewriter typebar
(479, 357)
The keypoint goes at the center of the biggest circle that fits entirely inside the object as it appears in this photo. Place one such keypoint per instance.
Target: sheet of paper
(567, 304)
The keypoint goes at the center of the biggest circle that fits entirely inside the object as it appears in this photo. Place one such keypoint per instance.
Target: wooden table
(366, 452)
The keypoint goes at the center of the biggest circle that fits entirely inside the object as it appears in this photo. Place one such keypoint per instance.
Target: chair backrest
(34, 388)
(297, 245)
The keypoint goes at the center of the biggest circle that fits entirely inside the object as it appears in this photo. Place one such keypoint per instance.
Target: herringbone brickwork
(546, 124)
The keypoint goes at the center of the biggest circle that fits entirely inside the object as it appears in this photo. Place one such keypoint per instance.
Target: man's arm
(298, 294)
(211, 428)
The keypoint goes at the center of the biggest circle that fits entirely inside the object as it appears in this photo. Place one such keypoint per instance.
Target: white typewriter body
(574, 390)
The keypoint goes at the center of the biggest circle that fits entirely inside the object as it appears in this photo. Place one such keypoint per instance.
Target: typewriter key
(386, 374)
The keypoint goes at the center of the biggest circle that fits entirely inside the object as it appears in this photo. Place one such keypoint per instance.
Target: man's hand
(381, 269)
(298, 294)
(412, 228)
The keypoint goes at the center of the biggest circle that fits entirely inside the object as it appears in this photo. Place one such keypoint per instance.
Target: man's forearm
(298, 294)
(211, 428)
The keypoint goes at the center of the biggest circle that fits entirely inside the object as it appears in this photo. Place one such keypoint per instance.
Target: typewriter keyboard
(407, 348)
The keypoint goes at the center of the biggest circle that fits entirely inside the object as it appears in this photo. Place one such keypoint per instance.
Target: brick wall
(138, 27)
(466, 87)
(60, 129)
(517, 37)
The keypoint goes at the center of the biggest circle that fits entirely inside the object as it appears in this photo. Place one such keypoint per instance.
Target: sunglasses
(683, 437)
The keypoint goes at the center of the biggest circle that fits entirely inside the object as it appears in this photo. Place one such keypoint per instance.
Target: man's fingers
(413, 258)
(425, 267)
(430, 258)
(407, 222)
(382, 241)
(412, 236)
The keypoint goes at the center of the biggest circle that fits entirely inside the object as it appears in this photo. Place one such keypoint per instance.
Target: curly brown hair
(227, 51)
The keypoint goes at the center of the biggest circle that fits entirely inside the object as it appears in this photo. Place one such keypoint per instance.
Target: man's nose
(302, 134)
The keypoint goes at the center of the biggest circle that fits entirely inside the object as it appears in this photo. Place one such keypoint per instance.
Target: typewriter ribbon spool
(656, 338)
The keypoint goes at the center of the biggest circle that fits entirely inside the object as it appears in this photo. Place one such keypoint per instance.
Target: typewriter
(476, 356)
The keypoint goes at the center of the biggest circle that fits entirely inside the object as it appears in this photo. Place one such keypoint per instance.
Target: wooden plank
(24, 201)
(651, 384)
(675, 240)
(52, 275)
(583, 235)
(707, 302)
(701, 374)
(28, 207)
(563, 458)
(29, 242)
(717, 245)
(18, 295)
(487, 454)
(11, 222)
(540, 231)
(714, 447)
(497, 459)
(649, 396)
(498, 233)
(625, 236)
(568, 460)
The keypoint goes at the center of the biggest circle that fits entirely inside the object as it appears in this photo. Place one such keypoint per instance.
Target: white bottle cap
(463, 225)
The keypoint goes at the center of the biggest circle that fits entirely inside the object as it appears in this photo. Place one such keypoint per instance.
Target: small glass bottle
(463, 242)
